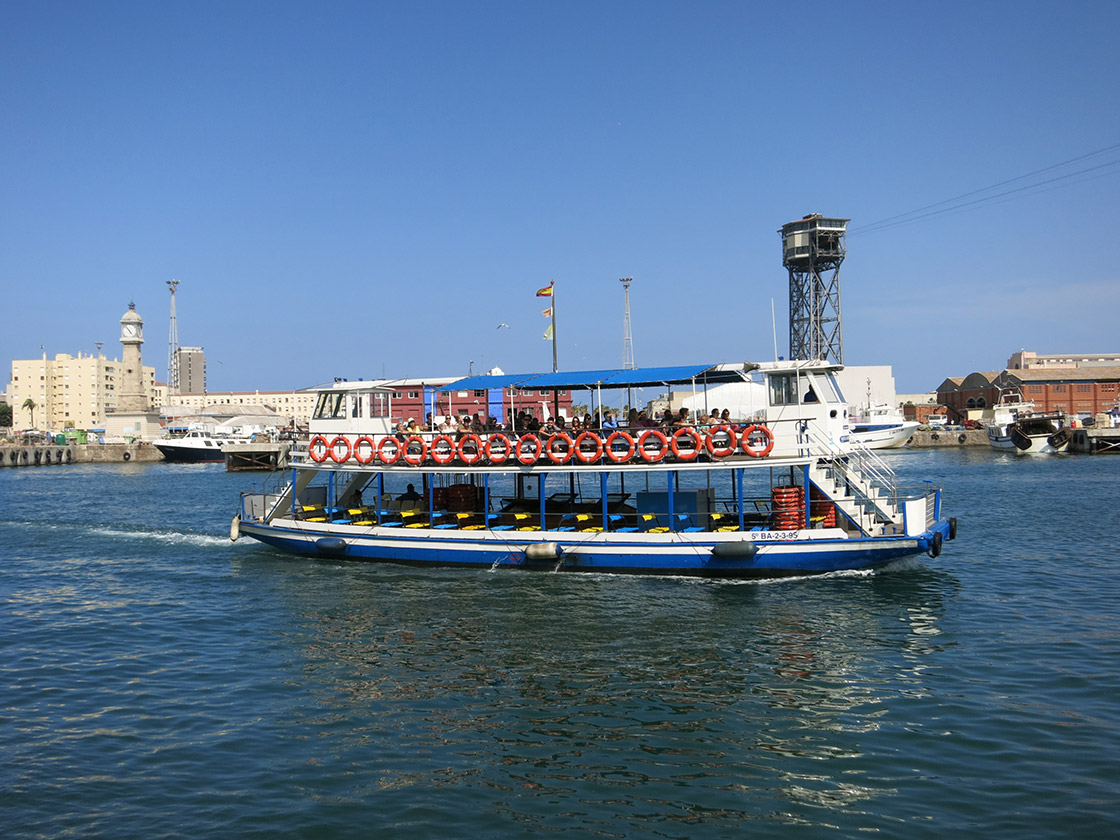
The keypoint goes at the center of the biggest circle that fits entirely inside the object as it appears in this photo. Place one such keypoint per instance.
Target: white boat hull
(889, 436)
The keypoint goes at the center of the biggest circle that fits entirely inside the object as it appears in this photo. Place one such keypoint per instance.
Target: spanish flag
(546, 291)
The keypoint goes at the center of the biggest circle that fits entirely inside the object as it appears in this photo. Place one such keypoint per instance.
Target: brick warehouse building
(1079, 392)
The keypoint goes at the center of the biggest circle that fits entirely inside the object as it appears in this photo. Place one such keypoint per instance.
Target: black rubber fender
(935, 546)
(952, 527)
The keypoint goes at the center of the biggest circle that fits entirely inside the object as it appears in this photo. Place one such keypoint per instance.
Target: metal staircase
(862, 485)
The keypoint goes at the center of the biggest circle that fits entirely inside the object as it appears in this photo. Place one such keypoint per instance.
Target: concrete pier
(1095, 441)
(941, 437)
(257, 456)
(42, 455)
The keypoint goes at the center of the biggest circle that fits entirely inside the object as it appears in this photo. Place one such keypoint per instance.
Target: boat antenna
(774, 328)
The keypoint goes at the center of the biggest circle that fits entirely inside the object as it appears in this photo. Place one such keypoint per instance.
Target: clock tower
(132, 397)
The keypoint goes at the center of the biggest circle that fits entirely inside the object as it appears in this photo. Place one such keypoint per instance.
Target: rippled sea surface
(158, 681)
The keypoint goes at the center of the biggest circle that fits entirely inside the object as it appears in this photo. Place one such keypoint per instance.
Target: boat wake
(170, 537)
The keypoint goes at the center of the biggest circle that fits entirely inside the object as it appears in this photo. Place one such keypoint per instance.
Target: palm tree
(29, 404)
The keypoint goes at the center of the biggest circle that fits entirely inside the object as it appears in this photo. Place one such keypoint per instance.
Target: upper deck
(793, 410)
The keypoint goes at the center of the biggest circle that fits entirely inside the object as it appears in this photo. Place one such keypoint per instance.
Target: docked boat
(1015, 426)
(195, 447)
(777, 494)
(882, 427)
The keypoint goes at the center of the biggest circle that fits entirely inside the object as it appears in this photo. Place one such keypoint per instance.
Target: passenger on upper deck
(682, 418)
(609, 422)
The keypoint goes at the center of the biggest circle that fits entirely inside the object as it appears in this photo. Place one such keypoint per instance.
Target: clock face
(129, 331)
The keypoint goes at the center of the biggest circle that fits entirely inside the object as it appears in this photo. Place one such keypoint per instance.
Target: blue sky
(367, 189)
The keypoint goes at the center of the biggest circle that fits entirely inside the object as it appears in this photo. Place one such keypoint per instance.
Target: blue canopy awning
(485, 382)
(609, 378)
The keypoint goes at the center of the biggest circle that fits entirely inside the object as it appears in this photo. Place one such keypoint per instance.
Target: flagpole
(554, 367)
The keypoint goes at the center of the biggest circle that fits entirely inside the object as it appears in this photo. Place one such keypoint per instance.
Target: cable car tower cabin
(812, 250)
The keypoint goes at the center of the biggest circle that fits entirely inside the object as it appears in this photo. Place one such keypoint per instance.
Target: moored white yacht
(881, 427)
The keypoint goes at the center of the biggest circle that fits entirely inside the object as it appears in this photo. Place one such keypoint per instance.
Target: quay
(257, 456)
(942, 437)
(44, 455)
(1095, 441)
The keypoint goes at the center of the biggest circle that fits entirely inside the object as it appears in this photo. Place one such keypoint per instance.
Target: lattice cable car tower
(812, 250)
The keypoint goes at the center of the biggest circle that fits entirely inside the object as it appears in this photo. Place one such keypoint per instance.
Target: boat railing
(865, 478)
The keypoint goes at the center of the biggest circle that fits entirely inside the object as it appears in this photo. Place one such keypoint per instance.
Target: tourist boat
(1016, 427)
(882, 427)
(779, 493)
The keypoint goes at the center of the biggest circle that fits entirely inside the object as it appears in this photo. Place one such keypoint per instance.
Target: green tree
(29, 404)
(5, 416)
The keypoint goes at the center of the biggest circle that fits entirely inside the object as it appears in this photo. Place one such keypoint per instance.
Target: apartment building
(70, 391)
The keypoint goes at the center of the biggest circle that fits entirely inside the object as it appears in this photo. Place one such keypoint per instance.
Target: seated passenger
(409, 495)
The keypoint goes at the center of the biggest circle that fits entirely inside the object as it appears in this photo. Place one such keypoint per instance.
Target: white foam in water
(176, 538)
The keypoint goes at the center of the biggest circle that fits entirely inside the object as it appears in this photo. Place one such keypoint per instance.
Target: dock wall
(924, 439)
(77, 453)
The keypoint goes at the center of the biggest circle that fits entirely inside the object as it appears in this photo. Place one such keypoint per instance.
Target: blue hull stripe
(690, 557)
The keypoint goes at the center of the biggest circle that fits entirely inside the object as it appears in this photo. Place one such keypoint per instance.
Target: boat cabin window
(825, 389)
(379, 404)
(783, 389)
(330, 406)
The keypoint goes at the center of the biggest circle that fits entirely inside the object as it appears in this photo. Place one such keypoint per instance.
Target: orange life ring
(717, 451)
(319, 440)
(590, 456)
(617, 456)
(658, 455)
(559, 457)
(496, 457)
(442, 455)
(744, 441)
(524, 457)
(357, 450)
(397, 450)
(697, 444)
(414, 459)
(470, 457)
(334, 455)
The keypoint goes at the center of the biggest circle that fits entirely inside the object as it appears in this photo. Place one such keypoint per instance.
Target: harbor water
(158, 681)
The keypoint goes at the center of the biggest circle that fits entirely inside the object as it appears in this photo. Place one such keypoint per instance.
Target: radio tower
(627, 337)
(812, 250)
(173, 347)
